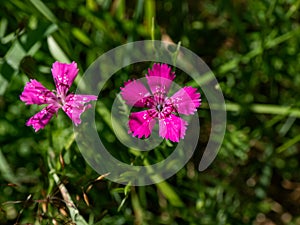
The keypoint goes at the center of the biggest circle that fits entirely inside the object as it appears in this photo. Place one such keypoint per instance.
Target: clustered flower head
(159, 106)
(72, 104)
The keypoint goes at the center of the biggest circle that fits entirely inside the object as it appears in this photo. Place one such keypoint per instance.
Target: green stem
(259, 108)
(74, 212)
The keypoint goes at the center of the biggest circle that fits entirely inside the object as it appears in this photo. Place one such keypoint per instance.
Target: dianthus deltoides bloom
(73, 105)
(159, 106)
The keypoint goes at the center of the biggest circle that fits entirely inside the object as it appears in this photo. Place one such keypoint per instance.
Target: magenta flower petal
(135, 93)
(35, 93)
(172, 128)
(160, 107)
(64, 74)
(186, 100)
(160, 78)
(141, 123)
(42, 118)
(75, 105)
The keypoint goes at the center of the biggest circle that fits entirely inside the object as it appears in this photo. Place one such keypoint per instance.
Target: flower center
(60, 99)
(159, 107)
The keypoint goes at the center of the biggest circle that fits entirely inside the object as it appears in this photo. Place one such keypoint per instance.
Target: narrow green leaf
(81, 36)
(120, 9)
(43, 9)
(261, 108)
(139, 9)
(69, 141)
(15, 54)
(138, 210)
(3, 26)
(288, 144)
(149, 13)
(282, 38)
(77, 218)
(165, 188)
(294, 8)
(3, 85)
(56, 50)
(170, 194)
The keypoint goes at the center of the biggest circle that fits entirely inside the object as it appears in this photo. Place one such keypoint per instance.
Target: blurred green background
(253, 49)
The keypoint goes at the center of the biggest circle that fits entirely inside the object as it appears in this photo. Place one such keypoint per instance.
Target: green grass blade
(56, 50)
(43, 9)
(262, 109)
(288, 144)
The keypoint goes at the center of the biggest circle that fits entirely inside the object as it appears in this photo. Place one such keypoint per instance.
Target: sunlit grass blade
(262, 109)
(81, 36)
(288, 144)
(56, 51)
(42, 8)
(149, 14)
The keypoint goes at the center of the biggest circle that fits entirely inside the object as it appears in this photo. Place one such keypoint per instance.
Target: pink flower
(159, 106)
(73, 105)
